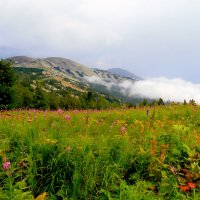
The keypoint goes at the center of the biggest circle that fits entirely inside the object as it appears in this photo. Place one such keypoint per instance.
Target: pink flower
(59, 111)
(67, 117)
(123, 130)
(6, 166)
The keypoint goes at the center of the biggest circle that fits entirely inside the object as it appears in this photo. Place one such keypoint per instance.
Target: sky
(150, 38)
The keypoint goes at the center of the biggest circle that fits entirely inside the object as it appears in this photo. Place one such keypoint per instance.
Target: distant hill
(124, 73)
(70, 74)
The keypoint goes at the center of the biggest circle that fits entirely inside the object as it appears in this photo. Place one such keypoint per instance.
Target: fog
(176, 90)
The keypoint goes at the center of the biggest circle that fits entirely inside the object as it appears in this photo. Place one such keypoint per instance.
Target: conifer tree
(7, 79)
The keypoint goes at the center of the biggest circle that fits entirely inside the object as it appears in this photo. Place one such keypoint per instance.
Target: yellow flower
(41, 196)
(51, 141)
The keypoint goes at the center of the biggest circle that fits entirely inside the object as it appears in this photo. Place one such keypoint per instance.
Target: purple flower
(6, 165)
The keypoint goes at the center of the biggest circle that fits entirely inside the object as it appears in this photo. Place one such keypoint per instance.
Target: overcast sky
(150, 38)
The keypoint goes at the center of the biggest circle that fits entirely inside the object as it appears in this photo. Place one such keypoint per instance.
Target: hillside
(69, 68)
(54, 66)
(69, 74)
(63, 80)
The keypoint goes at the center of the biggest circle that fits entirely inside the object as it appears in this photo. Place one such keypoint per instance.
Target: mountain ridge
(124, 73)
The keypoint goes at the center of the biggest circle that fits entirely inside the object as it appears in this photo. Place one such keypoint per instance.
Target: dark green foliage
(7, 79)
(161, 102)
(144, 103)
(5, 96)
(33, 90)
(22, 97)
(39, 99)
(28, 73)
(54, 168)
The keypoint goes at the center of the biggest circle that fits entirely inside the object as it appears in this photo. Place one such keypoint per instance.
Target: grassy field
(115, 154)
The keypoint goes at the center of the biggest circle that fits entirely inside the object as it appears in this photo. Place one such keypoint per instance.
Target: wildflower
(184, 188)
(29, 119)
(59, 111)
(20, 164)
(51, 141)
(153, 148)
(67, 117)
(41, 196)
(191, 185)
(123, 130)
(6, 166)
(68, 149)
(121, 122)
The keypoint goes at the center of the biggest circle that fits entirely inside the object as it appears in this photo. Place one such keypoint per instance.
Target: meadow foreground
(115, 154)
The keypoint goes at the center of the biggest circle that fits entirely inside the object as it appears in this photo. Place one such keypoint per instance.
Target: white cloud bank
(176, 90)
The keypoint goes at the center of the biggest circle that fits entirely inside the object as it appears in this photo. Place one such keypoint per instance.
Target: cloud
(168, 89)
(176, 90)
(149, 38)
(97, 80)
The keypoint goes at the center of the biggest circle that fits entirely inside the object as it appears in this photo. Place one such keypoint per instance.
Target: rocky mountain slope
(74, 75)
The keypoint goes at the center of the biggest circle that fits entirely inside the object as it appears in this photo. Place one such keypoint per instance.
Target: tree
(39, 99)
(144, 103)
(22, 97)
(7, 79)
(161, 102)
(185, 102)
(192, 102)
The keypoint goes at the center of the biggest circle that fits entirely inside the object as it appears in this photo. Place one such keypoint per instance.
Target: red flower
(191, 185)
(184, 188)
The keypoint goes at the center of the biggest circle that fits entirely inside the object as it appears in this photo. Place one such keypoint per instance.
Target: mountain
(60, 73)
(65, 66)
(124, 73)
(71, 69)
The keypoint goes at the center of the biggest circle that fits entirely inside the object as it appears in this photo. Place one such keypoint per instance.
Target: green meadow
(143, 153)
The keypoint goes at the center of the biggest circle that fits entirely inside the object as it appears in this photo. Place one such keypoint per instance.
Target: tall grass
(115, 154)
